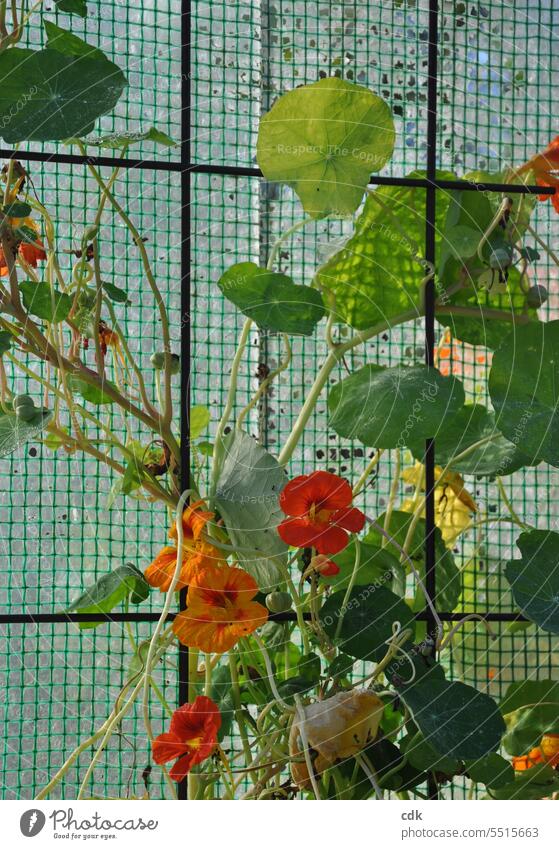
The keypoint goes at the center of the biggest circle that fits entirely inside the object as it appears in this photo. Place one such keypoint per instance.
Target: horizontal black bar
(246, 171)
(290, 616)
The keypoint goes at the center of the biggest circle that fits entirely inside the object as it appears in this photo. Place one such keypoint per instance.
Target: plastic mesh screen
(496, 101)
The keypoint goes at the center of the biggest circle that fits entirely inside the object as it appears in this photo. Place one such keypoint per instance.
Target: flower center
(318, 515)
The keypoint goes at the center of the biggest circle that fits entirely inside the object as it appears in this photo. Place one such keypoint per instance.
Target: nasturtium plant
(524, 389)
(388, 407)
(534, 578)
(319, 572)
(325, 140)
(272, 300)
(377, 275)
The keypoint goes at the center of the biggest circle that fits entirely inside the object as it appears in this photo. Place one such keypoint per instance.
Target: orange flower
(197, 553)
(191, 738)
(523, 762)
(321, 511)
(545, 166)
(220, 609)
(550, 748)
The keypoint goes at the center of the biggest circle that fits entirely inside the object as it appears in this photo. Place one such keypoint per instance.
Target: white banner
(273, 825)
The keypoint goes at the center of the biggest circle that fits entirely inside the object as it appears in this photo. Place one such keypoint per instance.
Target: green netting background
(498, 64)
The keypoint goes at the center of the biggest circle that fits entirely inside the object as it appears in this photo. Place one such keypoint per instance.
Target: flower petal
(167, 747)
(351, 519)
(322, 489)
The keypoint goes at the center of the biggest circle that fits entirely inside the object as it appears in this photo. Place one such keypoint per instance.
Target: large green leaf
(476, 328)
(324, 140)
(109, 591)
(460, 432)
(247, 498)
(448, 582)
(531, 709)
(423, 756)
(272, 300)
(368, 619)
(47, 95)
(378, 272)
(524, 389)
(454, 718)
(534, 579)
(46, 303)
(14, 432)
(71, 45)
(375, 564)
(388, 407)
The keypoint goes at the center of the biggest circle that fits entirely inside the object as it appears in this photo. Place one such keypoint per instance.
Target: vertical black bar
(430, 212)
(186, 28)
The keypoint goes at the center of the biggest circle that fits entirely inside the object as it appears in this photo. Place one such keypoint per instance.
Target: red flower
(191, 738)
(326, 568)
(320, 507)
(545, 167)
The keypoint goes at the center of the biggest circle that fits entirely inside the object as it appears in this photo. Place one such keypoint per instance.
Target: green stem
(331, 361)
(350, 586)
(239, 718)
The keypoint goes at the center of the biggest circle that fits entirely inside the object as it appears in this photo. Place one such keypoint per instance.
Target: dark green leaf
(17, 209)
(5, 342)
(461, 431)
(534, 579)
(120, 296)
(14, 432)
(48, 96)
(388, 407)
(309, 667)
(90, 393)
(367, 620)
(524, 389)
(324, 140)
(296, 684)
(46, 303)
(73, 7)
(66, 42)
(341, 666)
(454, 718)
(111, 590)
(272, 300)
(491, 770)
(248, 500)
(423, 756)
(378, 272)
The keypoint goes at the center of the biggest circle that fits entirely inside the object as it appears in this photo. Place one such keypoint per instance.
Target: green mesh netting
(495, 107)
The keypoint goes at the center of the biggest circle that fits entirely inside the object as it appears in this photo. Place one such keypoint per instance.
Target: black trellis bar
(241, 171)
(186, 265)
(289, 616)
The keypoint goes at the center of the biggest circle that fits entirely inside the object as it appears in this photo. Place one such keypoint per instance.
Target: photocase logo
(32, 822)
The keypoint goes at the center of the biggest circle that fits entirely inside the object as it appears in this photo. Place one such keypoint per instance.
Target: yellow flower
(453, 503)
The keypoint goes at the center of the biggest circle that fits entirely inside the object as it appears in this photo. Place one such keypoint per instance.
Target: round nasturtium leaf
(458, 433)
(324, 140)
(534, 579)
(48, 96)
(368, 617)
(524, 389)
(391, 407)
(14, 432)
(271, 299)
(454, 718)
